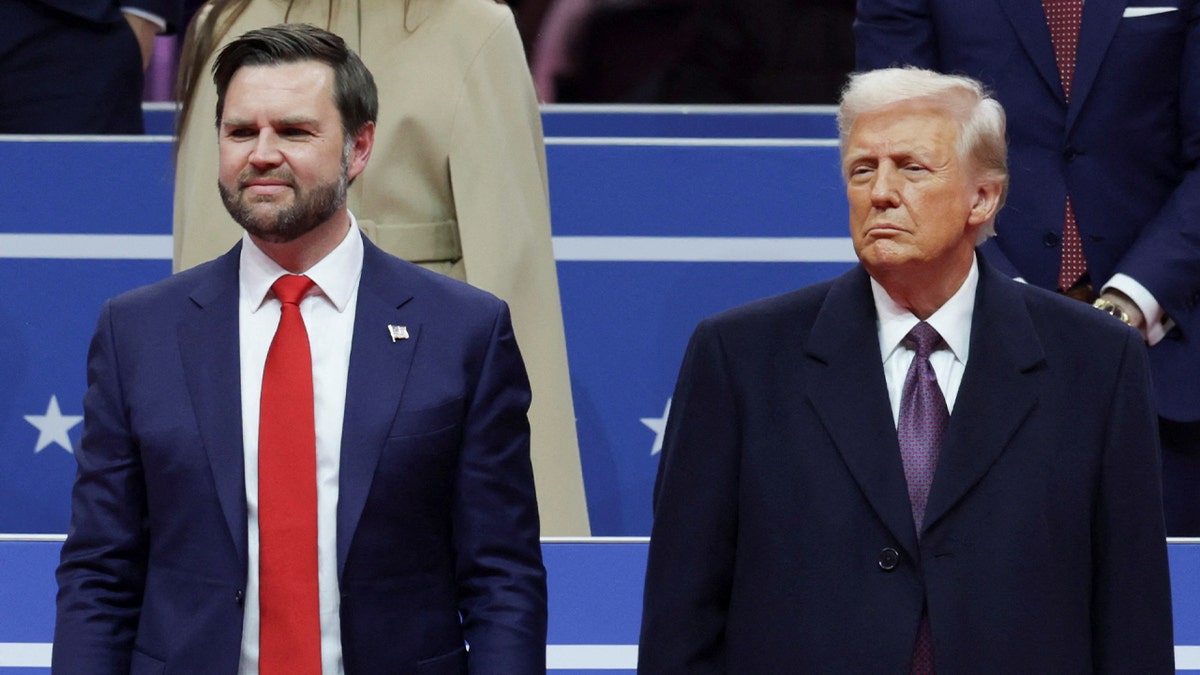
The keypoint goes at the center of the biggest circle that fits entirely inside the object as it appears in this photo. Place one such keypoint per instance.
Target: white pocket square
(1147, 11)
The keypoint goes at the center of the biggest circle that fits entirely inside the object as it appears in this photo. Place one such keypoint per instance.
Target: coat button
(1052, 239)
(888, 559)
(238, 597)
(1070, 154)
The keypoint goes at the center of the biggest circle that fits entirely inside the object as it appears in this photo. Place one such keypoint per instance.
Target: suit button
(1052, 239)
(1070, 154)
(888, 559)
(238, 596)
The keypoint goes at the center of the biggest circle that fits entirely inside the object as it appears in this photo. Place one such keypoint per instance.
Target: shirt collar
(336, 275)
(952, 320)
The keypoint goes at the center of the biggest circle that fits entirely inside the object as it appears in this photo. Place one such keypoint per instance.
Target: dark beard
(311, 208)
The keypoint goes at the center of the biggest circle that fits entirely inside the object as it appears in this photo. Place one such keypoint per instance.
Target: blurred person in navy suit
(1121, 139)
(77, 66)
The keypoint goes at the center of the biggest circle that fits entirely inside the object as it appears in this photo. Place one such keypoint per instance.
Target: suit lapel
(849, 392)
(998, 391)
(1029, 24)
(208, 344)
(378, 373)
(1100, 21)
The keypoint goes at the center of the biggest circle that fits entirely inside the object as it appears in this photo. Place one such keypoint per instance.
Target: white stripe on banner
(1187, 657)
(687, 142)
(591, 657)
(634, 109)
(84, 138)
(558, 657)
(615, 249)
(24, 654)
(87, 246)
(705, 249)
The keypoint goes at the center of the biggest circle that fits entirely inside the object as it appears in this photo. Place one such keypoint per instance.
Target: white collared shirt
(328, 311)
(952, 321)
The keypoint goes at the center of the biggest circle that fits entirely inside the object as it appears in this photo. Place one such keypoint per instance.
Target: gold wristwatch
(1110, 307)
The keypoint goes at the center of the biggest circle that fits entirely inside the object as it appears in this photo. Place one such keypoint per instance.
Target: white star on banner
(659, 426)
(53, 426)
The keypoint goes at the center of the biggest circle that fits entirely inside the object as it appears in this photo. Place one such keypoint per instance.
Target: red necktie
(289, 610)
(921, 428)
(1064, 18)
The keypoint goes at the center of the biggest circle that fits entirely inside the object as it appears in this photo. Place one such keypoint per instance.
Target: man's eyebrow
(294, 120)
(854, 156)
(290, 121)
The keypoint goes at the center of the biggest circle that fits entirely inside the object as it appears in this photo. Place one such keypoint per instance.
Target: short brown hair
(354, 91)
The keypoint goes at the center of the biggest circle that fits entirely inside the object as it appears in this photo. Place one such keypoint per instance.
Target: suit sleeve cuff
(1157, 322)
(153, 18)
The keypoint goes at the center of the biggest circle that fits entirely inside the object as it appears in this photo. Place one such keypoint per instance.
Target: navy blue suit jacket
(783, 538)
(437, 526)
(1126, 148)
(109, 11)
(74, 66)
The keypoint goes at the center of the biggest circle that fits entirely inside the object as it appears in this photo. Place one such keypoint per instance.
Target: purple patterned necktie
(922, 426)
(923, 417)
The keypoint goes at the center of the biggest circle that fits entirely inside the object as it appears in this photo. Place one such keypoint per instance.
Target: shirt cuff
(1157, 322)
(153, 18)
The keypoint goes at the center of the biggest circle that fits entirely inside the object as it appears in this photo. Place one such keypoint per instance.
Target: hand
(145, 31)
(1136, 318)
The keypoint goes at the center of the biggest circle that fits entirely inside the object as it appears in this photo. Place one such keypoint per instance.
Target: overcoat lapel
(998, 391)
(848, 390)
(378, 373)
(208, 344)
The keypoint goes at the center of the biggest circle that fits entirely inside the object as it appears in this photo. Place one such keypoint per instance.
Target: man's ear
(986, 202)
(360, 151)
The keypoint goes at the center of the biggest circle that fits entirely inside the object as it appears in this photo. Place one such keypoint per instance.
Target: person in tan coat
(459, 182)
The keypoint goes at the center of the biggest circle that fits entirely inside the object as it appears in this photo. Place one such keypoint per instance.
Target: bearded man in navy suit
(424, 527)
(76, 66)
(795, 529)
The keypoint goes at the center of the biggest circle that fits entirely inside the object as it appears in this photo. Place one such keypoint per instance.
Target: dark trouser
(1181, 477)
(60, 74)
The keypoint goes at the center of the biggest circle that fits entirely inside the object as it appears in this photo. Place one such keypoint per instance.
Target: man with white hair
(900, 470)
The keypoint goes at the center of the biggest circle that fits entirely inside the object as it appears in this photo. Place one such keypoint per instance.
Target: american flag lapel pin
(398, 332)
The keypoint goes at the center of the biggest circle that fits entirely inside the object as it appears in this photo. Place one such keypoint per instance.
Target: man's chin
(271, 236)
(275, 200)
(277, 230)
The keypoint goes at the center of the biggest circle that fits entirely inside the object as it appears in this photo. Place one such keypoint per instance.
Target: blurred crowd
(659, 51)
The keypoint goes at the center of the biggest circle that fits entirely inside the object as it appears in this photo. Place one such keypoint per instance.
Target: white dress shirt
(952, 321)
(328, 311)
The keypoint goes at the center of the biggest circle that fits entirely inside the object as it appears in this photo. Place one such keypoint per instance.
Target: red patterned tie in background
(1064, 18)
